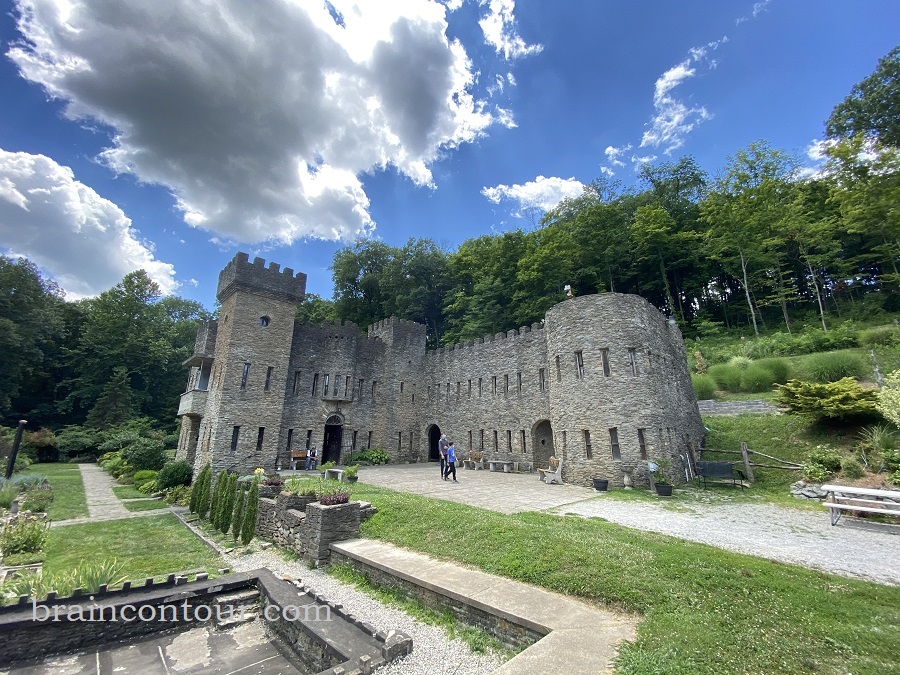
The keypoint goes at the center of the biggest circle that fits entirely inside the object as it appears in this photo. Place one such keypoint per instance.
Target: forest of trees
(758, 246)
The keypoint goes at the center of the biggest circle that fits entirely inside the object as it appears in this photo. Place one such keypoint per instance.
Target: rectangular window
(470, 388)
(579, 365)
(632, 361)
(494, 384)
(296, 389)
(519, 378)
(359, 395)
(509, 440)
(496, 443)
(325, 384)
(308, 439)
(235, 432)
(268, 378)
(401, 386)
(203, 382)
(614, 443)
(289, 439)
(259, 439)
(448, 392)
(470, 439)
(315, 387)
(505, 385)
(353, 444)
(588, 450)
(346, 387)
(564, 444)
(642, 443)
(337, 381)
(479, 387)
(558, 371)
(481, 447)
(542, 379)
(604, 359)
(374, 385)
(524, 449)
(400, 441)
(413, 398)
(245, 375)
(369, 441)
(458, 389)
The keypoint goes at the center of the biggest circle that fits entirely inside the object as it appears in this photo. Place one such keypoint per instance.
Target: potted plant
(601, 484)
(349, 474)
(660, 482)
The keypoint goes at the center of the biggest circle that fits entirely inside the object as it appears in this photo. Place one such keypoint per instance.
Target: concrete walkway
(757, 407)
(579, 639)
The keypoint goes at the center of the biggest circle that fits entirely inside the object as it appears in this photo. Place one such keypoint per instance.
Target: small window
(263, 321)
(346, 386)
(308, 438)
(505, 385)
(470, 388)
(401, 386)
(369, 441)
(542, 379)
(353, 444)
(496, 443)
(558, 371)
(259, 439)
(588, 450)
(359, 395)
(289, 439)
(519, 378)
(479, 387)
(268, 378)
(524, 449)
(481, 447)
(412, 398)
(325, 384)
(632, 361)
(448, 392)
(296, 389)
(470, 439)
(337, 381)
(235, 432)
(579, 365)
(245, 376)
(614, 443)
(315, 387)
(458, 389)
(509, 440)
(642, 443)
(494, 384)
(399, 441)
(564, 444)
(604, 359)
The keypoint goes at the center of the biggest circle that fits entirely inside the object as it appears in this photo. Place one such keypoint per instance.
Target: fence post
(745, 453)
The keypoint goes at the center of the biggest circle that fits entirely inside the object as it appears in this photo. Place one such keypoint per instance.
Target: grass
(705, 610)
(477, 639)
(152, 546)
(146, 505)
(68, 490)
(128, 492)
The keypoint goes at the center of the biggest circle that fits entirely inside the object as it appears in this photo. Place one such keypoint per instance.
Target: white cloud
(606, 170)
(499, 28)
(261, 116)
(637, 161)
(85, 242)
(758, 8)
(674, 120)
(541, 193)
(613, 153)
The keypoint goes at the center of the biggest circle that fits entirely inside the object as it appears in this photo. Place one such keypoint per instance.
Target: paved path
(736, 407)
(852, 548)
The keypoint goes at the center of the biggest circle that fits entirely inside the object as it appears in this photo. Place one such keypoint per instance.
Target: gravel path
(852, 548)
(433, 653)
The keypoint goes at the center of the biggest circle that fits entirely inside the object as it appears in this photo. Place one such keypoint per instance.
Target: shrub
(728, 377)
(218, 495)
(304, 487)
(228, 503)
(833, 366)
(755, 378)
(174, 474)
(331, 492)
(351, 471)
(881, 336)
(23, 535)
(841, 401)
(144, 476)
(739, 362)
(371, 455)
(704, 387)
(28, 481)
(180, 494)
(248, 527)
(700, 364)
(38, 499)
(17, 559)
(200, 485)
(145, 453)
(851, 468)
(75, 441)
(8, 493)
(827, 457)
(889, 401)
(816, 472)
(237, 516)
(780, 369)
(147, 487)
(203, 486)
(327, 465)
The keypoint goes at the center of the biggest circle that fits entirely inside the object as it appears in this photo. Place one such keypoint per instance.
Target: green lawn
(705, 610)
(149, 546)
(68, 490)
(128, 492)
(146, 505)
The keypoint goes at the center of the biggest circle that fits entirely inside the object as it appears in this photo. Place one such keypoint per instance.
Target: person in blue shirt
(451, 463)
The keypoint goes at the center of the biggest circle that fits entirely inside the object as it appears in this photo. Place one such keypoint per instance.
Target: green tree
(316, 310)
(231, 490)
(237, 517)
(113, 406)
(248, 527)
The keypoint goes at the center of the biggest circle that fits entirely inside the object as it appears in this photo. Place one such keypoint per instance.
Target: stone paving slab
(579, 639)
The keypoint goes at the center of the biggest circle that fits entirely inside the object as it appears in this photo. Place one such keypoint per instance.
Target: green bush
(780, 369)
(180, 494)
(739, 362)
(371, 455)
(17, 559)
(833, 366)
(38, 499)
(816, 472)
(704, 387)
(228, 500)
(75, 441)
(107, 457)
(174, 474)
(28, 481)
(147, 487)
(248, 527)
(882, 336)
(305, 487)
(23, 535)
(827, 457)
(728, 377)
(8, 493)
(756, 378)
(851, 468)
(144, 476)
(843, 400)
(145, 453)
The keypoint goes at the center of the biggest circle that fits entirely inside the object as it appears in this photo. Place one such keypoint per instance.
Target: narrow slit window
(268, 378)
(614, 443)
(235, 433)
(353, 444)
(542, 379)
(412, 398)
(604, 359)
(401, 386)
(519, 381)
(632, 361)
(588, 450)
(359, 394)
(374, 387)
(470, 388)
(642, 443)
(494, 384)
(325, 384)
(509, 440)
(448, 392)
(245, 375)
(558, 371)
(259, 439)
(308, 439)
(579, 365)
(337, 382)
(479, 387)
(564, 444)
(481, 447)
(524, 449)
(496, 441)
(315, 387)
(470, 439)
(458, 389)
(296, 388)
(399, 441)
(369, 441)
(346, 386)
(289, 439)
(505, 385)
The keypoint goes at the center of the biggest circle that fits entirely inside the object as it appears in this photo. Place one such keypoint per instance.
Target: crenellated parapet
(524, 335)
(396, 331)
(255, 277)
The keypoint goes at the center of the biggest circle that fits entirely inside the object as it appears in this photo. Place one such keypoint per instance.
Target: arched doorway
(331, 445)
(434, 435)
(542, 433)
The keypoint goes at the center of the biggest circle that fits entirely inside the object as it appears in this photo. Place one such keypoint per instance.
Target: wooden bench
(724, 470)
(505, 463)
(475, 460)
(553, 473)
(843, 498)
(298, 457)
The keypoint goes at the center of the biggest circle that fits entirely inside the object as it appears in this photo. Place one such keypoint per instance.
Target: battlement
(477, 343)
(255, 277)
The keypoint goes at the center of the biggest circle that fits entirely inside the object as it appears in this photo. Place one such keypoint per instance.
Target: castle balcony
(338, 398)
(193, 403)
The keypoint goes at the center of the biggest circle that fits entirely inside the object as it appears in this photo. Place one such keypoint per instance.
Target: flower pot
(601, 484)
(663, 489)
(351, 479)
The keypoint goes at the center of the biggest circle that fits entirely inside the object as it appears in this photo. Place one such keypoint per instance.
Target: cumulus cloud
(85, 242)
(260, 117)
(674, 119)
(541, 193)
(499, 28)
(613, 153)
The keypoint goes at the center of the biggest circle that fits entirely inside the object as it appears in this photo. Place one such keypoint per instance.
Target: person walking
(451, 463)
(443, 444)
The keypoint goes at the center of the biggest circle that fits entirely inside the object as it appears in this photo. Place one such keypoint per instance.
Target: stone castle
(602, 383)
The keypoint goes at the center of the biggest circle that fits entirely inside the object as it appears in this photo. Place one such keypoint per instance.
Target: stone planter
(601, 484)
(663, 489)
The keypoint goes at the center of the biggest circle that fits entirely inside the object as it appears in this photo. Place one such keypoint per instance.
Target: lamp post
(15, 449)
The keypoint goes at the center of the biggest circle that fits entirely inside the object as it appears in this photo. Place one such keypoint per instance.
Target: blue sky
(169, 134)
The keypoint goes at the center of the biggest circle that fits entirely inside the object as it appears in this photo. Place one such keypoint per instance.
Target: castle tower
(239, 425)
